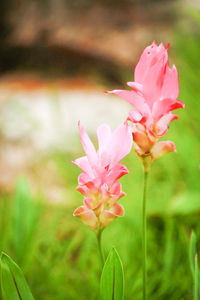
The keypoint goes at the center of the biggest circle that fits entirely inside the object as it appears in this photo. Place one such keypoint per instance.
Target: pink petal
(134, 99)
(87, 146)
(170, 87)
(160, 148)
(116, 191)
(88, 202)
(143, 62)
(116, 172)
(87, 216)
(121, 143)
(134, 116)
(135, 86)
(82, 189)
(142, 140)
(116, 188)
(107, 216)
(150, 71)
(164, 106)
(117, 209)
(104, 134)
(83, 178)
(161, 126)
(93, 204)
(84, 165)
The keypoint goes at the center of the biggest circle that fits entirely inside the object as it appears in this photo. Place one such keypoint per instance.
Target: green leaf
(196, 279)
(13, 282)
(24, 217)
(192, 252)
(112, 278)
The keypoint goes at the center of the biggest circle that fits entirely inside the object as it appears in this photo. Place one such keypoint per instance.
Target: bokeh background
(56, 59)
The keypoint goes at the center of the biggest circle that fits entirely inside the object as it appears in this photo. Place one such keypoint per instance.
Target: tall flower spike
(101, 170)
(154, 95)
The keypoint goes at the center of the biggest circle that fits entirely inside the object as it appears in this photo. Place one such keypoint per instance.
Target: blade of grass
(112, 278)
(13, 282)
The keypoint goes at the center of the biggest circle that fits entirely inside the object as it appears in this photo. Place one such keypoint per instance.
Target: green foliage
(192, 252)
(112, 278)
(194, 263)
(13, 282)
(24, 218)
(58, 254)
(196, 279)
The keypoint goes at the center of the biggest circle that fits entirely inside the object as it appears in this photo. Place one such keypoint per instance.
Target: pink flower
(154, 95)
(101, 170)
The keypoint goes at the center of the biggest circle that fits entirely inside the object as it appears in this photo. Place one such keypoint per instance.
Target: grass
(59, 255)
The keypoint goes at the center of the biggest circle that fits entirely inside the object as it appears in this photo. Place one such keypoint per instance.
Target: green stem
(144, 237)
(99, 240)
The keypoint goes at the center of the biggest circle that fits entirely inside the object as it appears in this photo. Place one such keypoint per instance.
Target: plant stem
(99, 235)
(144, 237)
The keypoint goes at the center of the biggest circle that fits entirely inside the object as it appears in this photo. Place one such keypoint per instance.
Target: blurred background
(56, 59)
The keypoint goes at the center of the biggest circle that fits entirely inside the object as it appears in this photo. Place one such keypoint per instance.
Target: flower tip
(161, 46)
(174, 67)
(75, 213)
(80, 127)
(181, 104)
(126, 122)
(167, 47)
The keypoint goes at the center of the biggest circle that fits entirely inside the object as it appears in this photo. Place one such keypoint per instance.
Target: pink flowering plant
(101, 170)
(153, 96)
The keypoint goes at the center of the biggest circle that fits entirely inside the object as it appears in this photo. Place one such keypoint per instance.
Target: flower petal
(117, 209)
(142, 140)
(83, 178)
(135, 86)
(104, 135)
(150, 71)
(160, 148)
(136, 100)
(107, 216)
(84, 165)
(121, 143)
(116, 191)
(161, 126)
(164, 106)
(87, 216)
(87, 146)
(83, 189)
(170, 87)
(134, 116)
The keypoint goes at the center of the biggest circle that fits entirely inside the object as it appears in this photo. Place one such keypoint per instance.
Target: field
(59, 255)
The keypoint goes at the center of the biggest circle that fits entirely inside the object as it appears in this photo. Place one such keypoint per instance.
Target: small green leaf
(24, 217)
(192, 252)
(13, 282)
(196, 279)
(112, 278)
